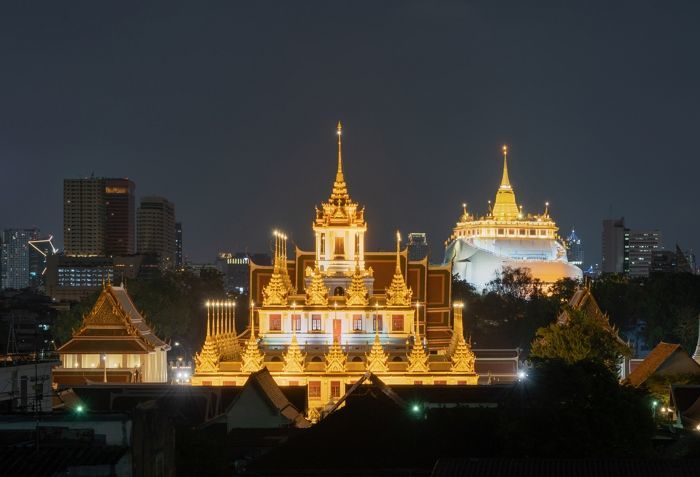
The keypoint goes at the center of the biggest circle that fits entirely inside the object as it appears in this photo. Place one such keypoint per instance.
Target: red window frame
(335, 389)
(296, 322)
(314, 389)
(316, 322)
(378, 323)
(397, 323)
(357, 322)
(275, 322)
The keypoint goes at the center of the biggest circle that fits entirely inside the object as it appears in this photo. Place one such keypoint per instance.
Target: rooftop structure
(327, 316)
(481, 247)
(113, 344)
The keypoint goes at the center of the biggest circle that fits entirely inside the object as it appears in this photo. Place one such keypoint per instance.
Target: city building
(418, 246)
(114, 344)
(330, 315)
(26, 319)
(26, 384)
(156, 230)
(98, 217)
(642, 245)
(120, 217)
(667, 261)
(40, 250)
(615, 243)
(574, 249)
(15, 257)
(179, 262)
(235, 268)
(74, 278)
(480, 248)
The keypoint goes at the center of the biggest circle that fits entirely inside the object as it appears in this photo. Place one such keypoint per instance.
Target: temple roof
(114, 325)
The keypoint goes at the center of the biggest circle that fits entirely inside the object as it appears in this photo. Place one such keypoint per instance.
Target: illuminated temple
(481, 247)
(326, 317)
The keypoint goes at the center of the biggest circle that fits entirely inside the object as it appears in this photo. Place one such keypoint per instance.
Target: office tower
(120, 217)
(417, 246)
(98, 217)
(178, 245)
(15, 257)
(615, 246)
(84, 217)
(156, 229)
(642, 245)
(574, 249)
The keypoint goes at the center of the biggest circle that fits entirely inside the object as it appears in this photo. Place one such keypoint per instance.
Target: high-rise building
(15, 257)
(156, 229)
(120, 217)
(642, 245)
(615, 246)
(417, 246)
(178, 245)
(98, 217)
(574, 249)
(84, 217)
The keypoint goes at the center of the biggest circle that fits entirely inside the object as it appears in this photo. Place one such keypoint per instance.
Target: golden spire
(398, 294)
(276, 291)
(207, 360)
(252, 358)
(317, 291)
(418, 359)
(377, 358)
(340, 189)
(505, 207)
(357, 291)
(336, 358)
(294, 358)
(505, 181)
(463, 358)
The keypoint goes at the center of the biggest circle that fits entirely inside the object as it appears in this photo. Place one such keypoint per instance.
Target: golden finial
(505, 181)
(546, 209)
(340, 144)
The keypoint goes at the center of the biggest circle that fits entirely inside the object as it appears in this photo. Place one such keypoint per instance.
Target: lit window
(275, 322)
(378, 323)
(357, 322)
(396, 323)
(315, 322)
(314, 389)
(335, 389)
(296, 322)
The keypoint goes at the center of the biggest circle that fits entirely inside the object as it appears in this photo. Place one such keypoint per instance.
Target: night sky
(229, 110)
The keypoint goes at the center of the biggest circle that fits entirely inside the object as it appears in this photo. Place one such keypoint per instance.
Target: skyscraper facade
(642, 245)
(156, 229)
(120, 217)
(615, 246)
(417, 246)
(178, 245)
(84, 217)
(15, 257)
(574, 249)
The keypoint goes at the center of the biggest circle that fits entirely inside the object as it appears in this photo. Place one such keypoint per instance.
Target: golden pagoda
(344, 312)
(480, 248)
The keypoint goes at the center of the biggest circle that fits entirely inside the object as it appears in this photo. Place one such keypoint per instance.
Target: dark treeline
(514, 306)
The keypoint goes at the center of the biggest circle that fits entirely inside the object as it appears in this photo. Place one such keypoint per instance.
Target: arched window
(339, 291)
(356, 359)
(316, 359)
(397, 359)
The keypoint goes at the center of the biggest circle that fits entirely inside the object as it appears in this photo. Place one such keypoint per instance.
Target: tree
(576, 410)
(581, 337)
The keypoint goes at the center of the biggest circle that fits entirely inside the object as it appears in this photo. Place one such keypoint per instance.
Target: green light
(655, 403)
(415, 408)
(79, 408)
